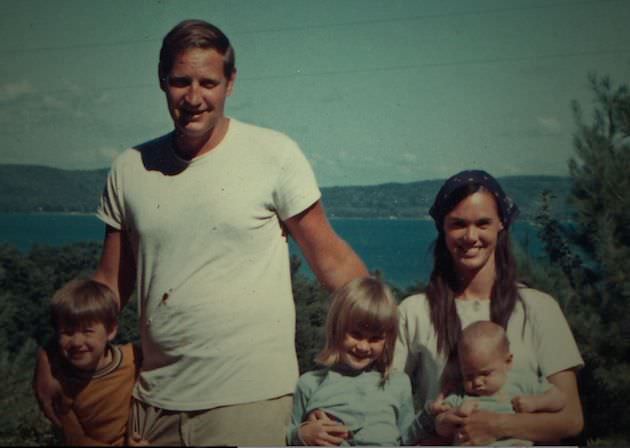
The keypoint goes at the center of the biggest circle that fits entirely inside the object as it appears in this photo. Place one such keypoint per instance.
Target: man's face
(196, 89)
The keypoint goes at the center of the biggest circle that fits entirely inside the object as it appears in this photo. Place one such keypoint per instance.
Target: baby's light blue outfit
(517, 383)
(375, 413)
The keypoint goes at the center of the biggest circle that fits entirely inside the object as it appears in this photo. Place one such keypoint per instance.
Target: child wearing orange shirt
(96, 376)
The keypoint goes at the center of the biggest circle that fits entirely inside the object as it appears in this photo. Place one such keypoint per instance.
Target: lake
(400, 249)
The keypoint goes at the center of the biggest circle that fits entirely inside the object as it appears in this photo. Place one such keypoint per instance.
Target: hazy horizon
(374, 91)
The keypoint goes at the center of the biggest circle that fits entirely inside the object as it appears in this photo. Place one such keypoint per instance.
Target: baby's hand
(521, 403)
(438, 405)
(467, 408)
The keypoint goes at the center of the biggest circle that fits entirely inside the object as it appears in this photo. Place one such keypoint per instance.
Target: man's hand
(319, 429)
(46, 388)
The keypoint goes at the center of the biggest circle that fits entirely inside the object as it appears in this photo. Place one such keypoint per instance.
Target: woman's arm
(482, 427)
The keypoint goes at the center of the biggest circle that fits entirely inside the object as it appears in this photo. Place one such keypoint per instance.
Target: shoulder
(399, 380)
(137, 153)
(267, 143)
(129, 359)
(415, 304)
(129, 351)
(261, 135)
(534, 295)
(538, 302)
(312, 379)
(415, 311)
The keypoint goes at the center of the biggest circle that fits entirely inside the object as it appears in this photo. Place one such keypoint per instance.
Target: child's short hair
(81, 302)
(363, 303)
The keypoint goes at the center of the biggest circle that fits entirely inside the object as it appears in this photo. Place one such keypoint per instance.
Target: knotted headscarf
(508, 210)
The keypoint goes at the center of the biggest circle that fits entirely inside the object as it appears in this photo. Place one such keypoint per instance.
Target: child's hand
(438, 405)
(522, 403)
(135, 440)
(320, 430)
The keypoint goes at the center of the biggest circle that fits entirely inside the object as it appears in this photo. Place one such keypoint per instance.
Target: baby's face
(484, 372)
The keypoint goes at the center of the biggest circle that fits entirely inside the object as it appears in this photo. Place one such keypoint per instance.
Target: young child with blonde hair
(96, 376)
(355, 399)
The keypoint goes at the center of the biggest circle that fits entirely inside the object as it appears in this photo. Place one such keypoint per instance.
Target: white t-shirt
(217, 318)
(546, 347)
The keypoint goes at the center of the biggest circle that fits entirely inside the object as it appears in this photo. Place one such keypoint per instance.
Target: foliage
(311, 303)
(20, 420)
(592, 259)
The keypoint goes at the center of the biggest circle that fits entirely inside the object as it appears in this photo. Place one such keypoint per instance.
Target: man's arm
(117, 268)
(332, 260)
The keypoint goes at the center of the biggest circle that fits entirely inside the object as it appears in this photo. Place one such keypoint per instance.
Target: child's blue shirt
(375, 413)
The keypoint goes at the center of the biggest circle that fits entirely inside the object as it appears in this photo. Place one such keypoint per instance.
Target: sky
(373, 91)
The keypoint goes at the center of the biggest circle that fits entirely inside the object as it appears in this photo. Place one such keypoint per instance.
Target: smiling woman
(474, 279)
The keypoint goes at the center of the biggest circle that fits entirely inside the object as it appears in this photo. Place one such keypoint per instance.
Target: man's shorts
(258, 423)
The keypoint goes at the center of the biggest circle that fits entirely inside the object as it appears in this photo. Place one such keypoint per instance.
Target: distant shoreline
(331, 218)
(34, 212)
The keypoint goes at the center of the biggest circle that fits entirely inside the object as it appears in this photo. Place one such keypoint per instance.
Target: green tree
(593, 255)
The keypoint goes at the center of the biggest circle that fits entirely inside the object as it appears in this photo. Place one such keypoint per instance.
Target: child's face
(484, 371)
(85, 348)
(361, 348)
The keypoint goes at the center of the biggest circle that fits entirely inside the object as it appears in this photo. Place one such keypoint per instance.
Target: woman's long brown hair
(443, 282)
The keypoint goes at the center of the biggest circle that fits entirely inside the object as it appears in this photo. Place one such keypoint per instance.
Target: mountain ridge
(36, 188)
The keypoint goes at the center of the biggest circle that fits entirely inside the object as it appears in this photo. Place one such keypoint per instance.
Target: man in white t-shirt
(196, 224)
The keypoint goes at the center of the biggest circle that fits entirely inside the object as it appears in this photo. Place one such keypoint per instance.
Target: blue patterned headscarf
(508, 210)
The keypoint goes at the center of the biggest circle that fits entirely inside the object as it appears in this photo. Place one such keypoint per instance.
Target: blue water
(400, 249)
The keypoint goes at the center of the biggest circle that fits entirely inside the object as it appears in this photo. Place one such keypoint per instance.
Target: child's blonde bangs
(365, 304)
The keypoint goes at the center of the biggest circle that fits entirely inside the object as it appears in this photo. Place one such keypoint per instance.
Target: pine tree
(594, 256)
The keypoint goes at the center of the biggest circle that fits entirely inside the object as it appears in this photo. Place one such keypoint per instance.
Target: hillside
(28, 188)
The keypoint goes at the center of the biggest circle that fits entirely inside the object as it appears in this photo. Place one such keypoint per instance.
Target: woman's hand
(320, 430)
(447, 423)
(479, 428)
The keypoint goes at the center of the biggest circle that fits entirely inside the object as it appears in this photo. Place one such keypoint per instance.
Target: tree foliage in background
(27, 282)
(592, 257)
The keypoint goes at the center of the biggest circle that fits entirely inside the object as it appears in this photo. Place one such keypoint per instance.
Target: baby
(489, 383)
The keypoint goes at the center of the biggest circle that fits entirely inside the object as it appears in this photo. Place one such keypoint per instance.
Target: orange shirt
(96, 404)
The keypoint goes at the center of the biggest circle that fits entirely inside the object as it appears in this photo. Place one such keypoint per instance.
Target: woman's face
(471, 231)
